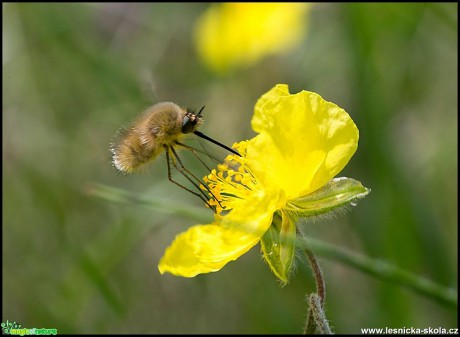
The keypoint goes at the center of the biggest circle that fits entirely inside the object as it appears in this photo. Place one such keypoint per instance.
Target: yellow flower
(239, 34)
(285, 172)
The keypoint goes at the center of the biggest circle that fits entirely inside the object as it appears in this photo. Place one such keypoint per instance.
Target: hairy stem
(317, 309)
(316, 318)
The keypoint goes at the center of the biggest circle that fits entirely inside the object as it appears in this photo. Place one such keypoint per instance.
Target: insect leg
(184, 172)
(170, 160)
(192, 149)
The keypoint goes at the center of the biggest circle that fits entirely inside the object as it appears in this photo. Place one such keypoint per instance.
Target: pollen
(232, 182)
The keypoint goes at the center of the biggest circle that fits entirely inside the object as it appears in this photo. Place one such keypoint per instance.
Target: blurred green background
(74, 73)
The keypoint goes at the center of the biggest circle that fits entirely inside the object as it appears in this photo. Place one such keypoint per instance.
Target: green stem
(316, 318)
(320, 283)
(317, 308)
(317, 272)
(385, 271)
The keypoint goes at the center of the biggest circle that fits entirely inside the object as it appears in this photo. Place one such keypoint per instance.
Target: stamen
(232, 182)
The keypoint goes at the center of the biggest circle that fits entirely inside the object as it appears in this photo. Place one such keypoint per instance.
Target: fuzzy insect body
(160, 127)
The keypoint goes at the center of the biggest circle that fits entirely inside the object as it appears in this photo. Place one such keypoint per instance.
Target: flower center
(232, 182)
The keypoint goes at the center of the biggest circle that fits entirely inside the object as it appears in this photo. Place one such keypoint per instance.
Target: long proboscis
(202, 135)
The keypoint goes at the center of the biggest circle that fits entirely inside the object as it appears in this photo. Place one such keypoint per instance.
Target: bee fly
(161, 128)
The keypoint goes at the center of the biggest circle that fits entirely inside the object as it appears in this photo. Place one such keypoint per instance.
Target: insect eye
(188, 125)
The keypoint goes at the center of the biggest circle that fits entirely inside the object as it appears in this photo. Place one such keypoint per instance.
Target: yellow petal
(303, 141)
(208, 248)
(263, 118)
(238, 34)
(204, 249)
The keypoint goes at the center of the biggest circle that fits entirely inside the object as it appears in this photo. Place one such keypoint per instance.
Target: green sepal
(278, 245)
(337, 193)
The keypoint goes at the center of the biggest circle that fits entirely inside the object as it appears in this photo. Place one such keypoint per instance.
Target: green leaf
(337, 193)
(278, 245)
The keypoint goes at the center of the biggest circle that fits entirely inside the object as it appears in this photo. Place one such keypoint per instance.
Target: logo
(13, 328)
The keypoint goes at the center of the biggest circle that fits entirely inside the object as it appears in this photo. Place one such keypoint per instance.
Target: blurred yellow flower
(284, 172)
(230, 35)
